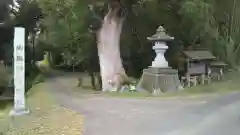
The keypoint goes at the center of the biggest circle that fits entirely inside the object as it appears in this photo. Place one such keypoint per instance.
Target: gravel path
(214, 115)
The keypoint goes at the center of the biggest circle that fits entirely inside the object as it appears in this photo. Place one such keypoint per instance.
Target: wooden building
(197, 67)
(217, 69)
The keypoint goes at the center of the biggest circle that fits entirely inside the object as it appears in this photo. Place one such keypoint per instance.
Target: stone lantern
(159, 77)
(159, 39)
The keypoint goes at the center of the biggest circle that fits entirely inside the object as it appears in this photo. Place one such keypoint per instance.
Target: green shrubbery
(33, 77)
(4, 81)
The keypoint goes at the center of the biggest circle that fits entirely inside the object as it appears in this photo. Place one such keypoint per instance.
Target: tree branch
(95, 15)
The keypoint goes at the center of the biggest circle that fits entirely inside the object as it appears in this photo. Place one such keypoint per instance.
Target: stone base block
(159, 80)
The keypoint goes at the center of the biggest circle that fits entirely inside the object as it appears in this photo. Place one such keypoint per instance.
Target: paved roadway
(212, 115)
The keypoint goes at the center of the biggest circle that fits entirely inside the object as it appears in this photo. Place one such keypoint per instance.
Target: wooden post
(194, 79)
(209, 75)
(221, 74)
(183, 80)
(188, 79)
(202, 79)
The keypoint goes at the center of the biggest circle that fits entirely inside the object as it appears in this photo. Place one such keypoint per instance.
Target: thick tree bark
(109, 51)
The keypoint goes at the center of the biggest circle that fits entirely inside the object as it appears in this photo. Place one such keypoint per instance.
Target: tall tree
(109, 45)
(108, 30)
(228, 20)
(5, 9)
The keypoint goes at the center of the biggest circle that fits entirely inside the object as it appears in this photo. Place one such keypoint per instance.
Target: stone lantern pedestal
(159, 77)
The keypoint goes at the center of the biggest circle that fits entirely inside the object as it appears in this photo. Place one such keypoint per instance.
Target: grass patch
(45, 118)
(129, 94)
(230, 84)
(146, 95)
(33, 80)
(4, 119)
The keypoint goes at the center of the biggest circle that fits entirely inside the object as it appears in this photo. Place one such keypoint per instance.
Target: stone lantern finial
(161, 29)
(160, 32)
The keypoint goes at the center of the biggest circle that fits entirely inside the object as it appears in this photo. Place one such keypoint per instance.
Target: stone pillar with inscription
(159, 77)
(19, 73)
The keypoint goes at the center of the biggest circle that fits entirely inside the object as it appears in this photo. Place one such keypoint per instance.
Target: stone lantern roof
(160, 35)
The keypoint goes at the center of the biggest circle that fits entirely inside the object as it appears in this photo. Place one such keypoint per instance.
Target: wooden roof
(199, 55)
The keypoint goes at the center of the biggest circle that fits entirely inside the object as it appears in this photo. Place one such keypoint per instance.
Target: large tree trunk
(109, 51)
